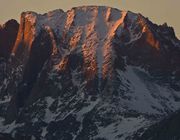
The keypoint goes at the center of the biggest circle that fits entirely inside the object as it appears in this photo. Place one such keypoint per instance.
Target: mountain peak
(93, 29)
(94, 67)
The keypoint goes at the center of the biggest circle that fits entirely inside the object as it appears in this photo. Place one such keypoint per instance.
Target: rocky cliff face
(8, 34)
(89, 73)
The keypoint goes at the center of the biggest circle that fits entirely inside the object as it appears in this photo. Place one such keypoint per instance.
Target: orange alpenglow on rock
(91, 30)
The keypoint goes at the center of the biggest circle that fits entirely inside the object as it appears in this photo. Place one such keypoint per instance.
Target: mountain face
(91, 73)
(167, 129)
(8, 34)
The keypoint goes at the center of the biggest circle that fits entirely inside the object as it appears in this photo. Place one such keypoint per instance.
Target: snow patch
(49, 116)
(149, 98)
(44, 132)
(5, 100)
(10, 127)
(121, 130)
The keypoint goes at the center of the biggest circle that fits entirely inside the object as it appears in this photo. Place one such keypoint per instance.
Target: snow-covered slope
(167, 129)
(90, 73)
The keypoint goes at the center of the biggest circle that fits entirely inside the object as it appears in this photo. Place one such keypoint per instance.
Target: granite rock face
(90, 73)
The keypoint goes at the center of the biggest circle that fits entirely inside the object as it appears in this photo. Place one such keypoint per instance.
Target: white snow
(86, 109)
(150, 99)
(10, 127)
(49, 116)
(141, 98)
(80, 114)
(91, 31)
(126, 127)
(44, 132)
(5, 83)
(5, 100)
(132, 28)
(95, 31)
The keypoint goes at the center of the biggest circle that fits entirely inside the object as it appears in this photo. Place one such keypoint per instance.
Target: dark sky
(159, 11)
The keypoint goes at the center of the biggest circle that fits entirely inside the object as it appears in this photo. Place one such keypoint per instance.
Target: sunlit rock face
(89, 73)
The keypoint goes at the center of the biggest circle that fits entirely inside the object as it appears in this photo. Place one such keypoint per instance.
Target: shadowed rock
(8, 34)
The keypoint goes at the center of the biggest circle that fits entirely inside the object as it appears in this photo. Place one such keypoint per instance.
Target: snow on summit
(90, 73)
(94, 33)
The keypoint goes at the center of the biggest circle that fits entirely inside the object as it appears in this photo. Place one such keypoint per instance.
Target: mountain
(91, 73)
(8, 34)
(167, 129)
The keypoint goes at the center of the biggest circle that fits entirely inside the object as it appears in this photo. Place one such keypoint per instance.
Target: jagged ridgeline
(91, 73)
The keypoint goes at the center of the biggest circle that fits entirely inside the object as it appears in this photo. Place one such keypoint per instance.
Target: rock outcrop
(8, 34)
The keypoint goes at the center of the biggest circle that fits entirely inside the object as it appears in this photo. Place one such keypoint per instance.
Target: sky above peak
(158, 11)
